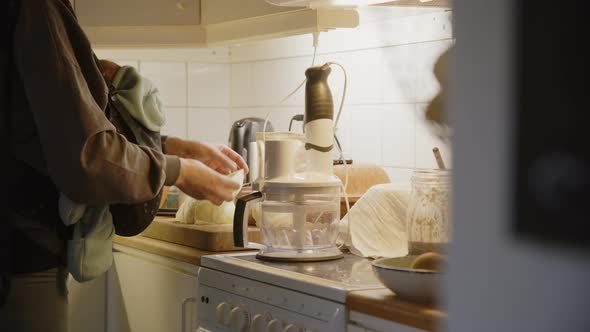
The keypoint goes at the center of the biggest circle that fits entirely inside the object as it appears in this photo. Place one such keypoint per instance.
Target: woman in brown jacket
(59, 140)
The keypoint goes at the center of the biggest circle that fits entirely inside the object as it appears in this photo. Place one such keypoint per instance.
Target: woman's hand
(217, 156)
(202, 182)
(221, 158)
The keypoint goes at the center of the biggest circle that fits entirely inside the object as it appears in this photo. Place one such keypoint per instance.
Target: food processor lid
(303, 180)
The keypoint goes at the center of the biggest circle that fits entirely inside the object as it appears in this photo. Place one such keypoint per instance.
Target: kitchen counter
(166, 249)
(383, 303)
(380, 303)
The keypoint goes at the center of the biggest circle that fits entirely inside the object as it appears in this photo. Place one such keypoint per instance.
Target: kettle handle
(241, 217)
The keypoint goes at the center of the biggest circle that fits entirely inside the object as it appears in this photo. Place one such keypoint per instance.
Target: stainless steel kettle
(243, 132)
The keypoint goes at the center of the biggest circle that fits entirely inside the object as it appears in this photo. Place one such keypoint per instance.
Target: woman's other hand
(202, 182)
(217, 156)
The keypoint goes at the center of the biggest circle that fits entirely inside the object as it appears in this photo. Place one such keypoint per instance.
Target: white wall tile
(170, 78)
(344, 132)
(363, 134)
(365, 77)
(209, 125)
(426, 140)
(240, 87)
(398, 74)
(209, 85)
(398, 135)
(175, 122)
(272, 81)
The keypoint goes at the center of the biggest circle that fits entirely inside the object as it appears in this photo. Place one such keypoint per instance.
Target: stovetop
(328, 279)
(350, 270)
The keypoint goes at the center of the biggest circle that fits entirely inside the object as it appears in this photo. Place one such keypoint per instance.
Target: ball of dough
(428, 261)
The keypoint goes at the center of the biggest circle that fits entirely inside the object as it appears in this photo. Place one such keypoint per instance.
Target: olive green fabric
(140, 97)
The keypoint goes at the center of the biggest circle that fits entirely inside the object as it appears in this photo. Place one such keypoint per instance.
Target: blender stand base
(294, 256)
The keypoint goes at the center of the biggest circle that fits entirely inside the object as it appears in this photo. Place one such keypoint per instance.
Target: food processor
(300, 211)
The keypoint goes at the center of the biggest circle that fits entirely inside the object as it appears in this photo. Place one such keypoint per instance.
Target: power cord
(298, 117)
(316, 36)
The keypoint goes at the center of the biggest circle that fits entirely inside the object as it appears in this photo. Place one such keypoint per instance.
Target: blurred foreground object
(436, 113)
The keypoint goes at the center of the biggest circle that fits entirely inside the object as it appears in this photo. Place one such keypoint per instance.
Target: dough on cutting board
(203, 212)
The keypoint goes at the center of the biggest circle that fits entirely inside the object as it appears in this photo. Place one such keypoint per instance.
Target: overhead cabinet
(202, 23)
(107, 13)
(141, 22)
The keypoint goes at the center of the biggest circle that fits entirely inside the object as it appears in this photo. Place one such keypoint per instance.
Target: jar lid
(431, 175)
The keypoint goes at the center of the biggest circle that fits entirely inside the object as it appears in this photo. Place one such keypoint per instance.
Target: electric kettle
(300, 211)
(242, 139)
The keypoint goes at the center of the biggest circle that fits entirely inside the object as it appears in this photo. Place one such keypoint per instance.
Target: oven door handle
(183, 314)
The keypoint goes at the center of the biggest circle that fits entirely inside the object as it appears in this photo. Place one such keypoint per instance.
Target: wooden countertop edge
(166, 249)
(383, 304)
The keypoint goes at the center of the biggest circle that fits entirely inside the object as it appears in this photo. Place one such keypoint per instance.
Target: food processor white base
(306, 255)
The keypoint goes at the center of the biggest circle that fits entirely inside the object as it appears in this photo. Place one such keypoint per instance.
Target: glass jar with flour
(428, 219)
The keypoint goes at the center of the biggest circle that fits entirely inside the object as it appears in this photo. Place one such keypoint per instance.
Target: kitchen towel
(377, 223)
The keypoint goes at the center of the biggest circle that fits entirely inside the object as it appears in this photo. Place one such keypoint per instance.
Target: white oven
(238, 292)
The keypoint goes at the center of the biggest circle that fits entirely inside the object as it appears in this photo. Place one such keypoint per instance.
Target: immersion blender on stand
(300, 211)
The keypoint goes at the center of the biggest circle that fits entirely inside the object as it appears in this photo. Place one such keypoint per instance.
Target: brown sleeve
(85, 157)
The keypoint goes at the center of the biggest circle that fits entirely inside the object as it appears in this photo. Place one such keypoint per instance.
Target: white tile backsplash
(365, 77)
(209, 125)
(364, 138)
(388, 59)
(176, 124)
(240, 89)
(398, 135)
(272, 81)
(399, 77)
(209, 85)
(170, 78)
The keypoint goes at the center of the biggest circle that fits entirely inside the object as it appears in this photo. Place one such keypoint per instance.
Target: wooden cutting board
(204, 237)
(220, 237)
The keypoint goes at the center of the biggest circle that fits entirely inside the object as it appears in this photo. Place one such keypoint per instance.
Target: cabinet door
(146, 296)
(104, 13)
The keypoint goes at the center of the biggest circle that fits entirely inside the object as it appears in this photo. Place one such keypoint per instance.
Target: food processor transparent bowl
(302, 223)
